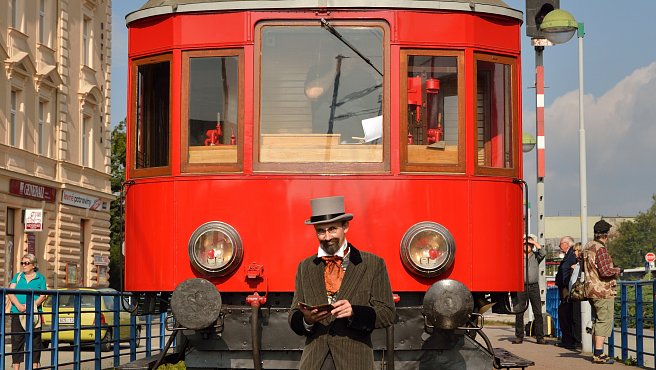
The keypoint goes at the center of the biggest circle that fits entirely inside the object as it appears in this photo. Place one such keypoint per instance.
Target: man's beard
(330, 246)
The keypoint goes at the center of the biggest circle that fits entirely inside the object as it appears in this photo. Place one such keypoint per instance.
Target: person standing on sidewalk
(566, 307)
(600, 288)
(531, 291)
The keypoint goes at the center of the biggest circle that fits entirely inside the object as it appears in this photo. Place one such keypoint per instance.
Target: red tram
(240, 112)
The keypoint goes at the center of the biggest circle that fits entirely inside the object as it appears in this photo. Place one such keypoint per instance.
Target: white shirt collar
(339, 253)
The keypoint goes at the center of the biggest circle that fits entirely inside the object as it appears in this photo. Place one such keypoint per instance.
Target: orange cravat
(333, 274)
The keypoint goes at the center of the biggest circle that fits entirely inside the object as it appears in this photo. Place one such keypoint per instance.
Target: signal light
(427, 249)
(215, 249)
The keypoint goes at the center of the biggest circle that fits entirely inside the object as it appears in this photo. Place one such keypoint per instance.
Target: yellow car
(87, 318)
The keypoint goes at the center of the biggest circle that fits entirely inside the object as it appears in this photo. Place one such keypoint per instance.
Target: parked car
(87, 318)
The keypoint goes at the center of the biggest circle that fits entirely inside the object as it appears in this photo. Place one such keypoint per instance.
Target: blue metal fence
(79, 325)
(634, 320)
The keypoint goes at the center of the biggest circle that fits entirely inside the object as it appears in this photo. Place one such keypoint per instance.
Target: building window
(87, 146)
(41, 129)
(10, 257)
(83, 250)
(42, 21)
(15, 15)
(13, 118)
(86, 41)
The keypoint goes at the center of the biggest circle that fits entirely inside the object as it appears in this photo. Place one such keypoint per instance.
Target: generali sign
(33, 191)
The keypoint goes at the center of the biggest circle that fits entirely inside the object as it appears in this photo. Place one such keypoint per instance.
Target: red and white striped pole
(539, 190)
(539, 129)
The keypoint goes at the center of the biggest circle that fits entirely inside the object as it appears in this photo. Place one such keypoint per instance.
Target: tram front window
(319, 100)
(496, 112)
(152, 113)
(432, 133)
(211, 109)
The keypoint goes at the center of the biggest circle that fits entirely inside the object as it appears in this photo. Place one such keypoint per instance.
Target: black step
(504, 359)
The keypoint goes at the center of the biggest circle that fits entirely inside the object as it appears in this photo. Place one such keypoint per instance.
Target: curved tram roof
(161, 7)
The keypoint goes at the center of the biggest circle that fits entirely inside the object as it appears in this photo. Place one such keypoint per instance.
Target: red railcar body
(264, 194)
(269, 212)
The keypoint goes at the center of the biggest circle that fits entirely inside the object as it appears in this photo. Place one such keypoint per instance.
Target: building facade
(55, 139)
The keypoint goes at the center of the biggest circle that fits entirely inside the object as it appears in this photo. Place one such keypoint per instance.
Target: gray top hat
(328, 209)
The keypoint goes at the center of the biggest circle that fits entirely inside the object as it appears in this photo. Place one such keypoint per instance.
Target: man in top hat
(342, 294)
(600, 275)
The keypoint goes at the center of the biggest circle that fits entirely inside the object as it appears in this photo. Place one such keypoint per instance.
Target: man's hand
(312, 316)
(342, 309)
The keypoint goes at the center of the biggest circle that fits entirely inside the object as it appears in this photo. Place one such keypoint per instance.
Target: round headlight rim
(227, 230)
(413, 231)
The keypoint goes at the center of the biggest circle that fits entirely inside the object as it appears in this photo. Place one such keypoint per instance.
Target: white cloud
(620, 143)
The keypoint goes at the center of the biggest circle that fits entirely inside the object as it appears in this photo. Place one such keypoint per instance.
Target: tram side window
(495, 113)
(152, 110)
(431, 131)
(211, 109)
(320, 102)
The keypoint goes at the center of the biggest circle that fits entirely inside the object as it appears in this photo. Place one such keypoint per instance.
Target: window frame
(513, 170)
(87, 41)
(322, 167)
(186, 166)
(403, 119)
(86, 141)
(148, 171)
(41, 22)
(16, 19)
(14, 109)
(41, 126)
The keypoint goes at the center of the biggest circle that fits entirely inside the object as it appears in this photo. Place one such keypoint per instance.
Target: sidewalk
(546, 357)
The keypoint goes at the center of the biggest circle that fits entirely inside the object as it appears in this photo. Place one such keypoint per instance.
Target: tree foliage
(116, 227)
(635, 238)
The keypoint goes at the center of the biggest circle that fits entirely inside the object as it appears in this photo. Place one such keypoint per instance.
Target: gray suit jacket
(367, 287)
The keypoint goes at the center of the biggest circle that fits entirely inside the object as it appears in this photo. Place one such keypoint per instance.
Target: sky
(619, 104)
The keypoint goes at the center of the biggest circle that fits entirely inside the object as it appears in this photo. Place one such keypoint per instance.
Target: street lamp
(528, 142)
(558, 27)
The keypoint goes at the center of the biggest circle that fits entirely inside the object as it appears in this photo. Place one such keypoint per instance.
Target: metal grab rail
(87, 306)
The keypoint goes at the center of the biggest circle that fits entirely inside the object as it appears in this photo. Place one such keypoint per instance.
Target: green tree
(116, 227)
(635, 238)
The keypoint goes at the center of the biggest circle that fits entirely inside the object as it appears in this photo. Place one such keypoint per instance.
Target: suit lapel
(317, 282)
(353, 275)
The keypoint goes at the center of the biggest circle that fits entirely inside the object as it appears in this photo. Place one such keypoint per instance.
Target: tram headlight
(215, 249)
(427, 249)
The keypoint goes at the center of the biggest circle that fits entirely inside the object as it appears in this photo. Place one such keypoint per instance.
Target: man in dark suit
(354, 283)
(566, 307)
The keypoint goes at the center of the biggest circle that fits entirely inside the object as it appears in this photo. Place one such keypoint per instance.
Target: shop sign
(31, 243)
(83, 201)
(33, 220)
(32, 191)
